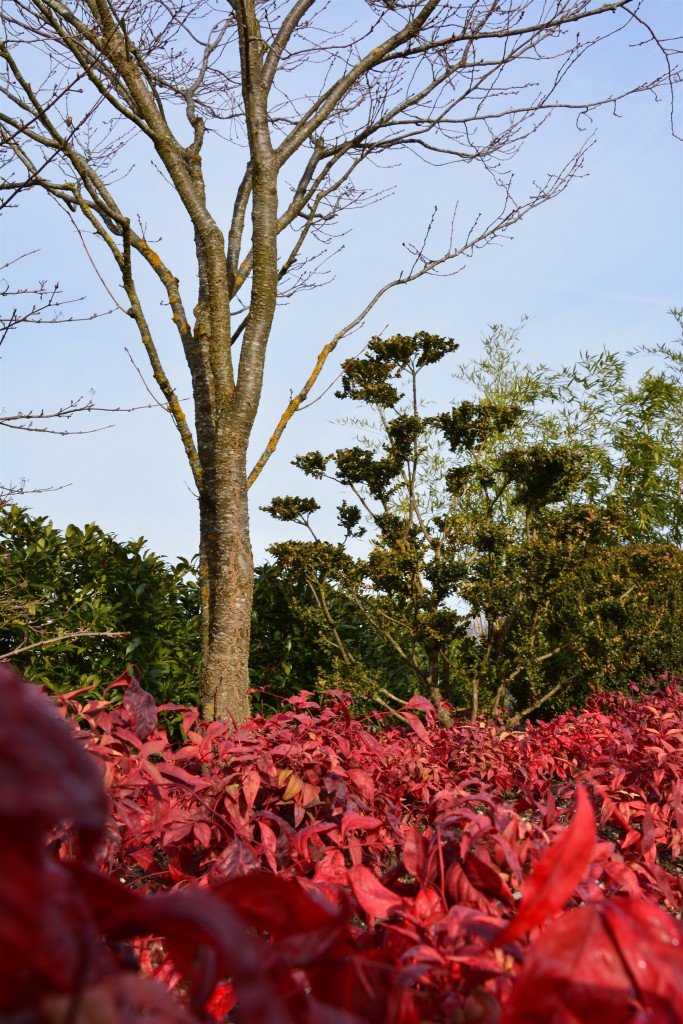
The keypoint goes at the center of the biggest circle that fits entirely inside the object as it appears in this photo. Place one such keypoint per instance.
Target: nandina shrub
(314, 790)
(334, 874)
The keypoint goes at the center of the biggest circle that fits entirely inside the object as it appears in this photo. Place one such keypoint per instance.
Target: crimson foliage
(312, 867)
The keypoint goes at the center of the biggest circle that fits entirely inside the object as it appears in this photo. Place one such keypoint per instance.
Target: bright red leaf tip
(557, 873)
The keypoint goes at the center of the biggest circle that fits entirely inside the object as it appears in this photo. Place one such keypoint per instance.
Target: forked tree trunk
(223, 431)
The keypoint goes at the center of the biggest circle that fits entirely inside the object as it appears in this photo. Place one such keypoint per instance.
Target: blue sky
(598, 267)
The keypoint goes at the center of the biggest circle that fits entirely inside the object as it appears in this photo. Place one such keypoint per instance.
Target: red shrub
(337, 873)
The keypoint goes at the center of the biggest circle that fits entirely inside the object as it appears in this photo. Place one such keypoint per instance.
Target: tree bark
(443, 715)
(227, 586)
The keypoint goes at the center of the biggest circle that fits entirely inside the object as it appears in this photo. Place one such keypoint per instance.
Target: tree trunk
(227, 564)
(443, 715)
(227, 586)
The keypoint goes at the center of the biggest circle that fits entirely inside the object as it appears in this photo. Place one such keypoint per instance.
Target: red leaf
(45, 777)
(650, 942)
(141, 707)
(430, 907)
(648, 848)
(363, 782)
(277, 905)
(176, 872)
(550, 813)
(22, 898)
(417, 726)
(677, 794)
(630, 839)
(302, 837)
(419, 703)
(622, 875)
(557, 873)
(128, 736)
(460, 890)
(222, 1001)
(251, 783)
(413, 851)
(487, 879)
(196, 921)
(177, 832)
(375, 899)
(663, 882)
(332, 868)
(269, 840)
(573, 975)
(593, 964)
(236, 861)
(351, 820)
(203, 833)
(174, 771)
(402, 1008)
(153, 747)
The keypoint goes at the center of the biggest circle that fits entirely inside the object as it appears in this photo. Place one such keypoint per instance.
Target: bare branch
(80, 634)
(28, 420)
(423, 264)
(11, 491)
(545, 697)
(41, 303)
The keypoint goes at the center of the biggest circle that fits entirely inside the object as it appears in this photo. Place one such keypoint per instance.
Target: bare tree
(298, 96)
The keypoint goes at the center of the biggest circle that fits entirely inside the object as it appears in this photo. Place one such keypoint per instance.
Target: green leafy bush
(77, 607)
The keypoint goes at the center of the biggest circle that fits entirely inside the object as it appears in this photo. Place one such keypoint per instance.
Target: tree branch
(77, 635)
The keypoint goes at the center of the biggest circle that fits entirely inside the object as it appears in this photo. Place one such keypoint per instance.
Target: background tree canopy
(522, 546)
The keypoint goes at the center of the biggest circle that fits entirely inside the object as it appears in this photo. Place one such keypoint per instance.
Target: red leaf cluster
(320, 867)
